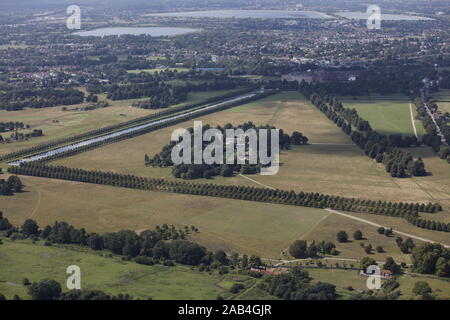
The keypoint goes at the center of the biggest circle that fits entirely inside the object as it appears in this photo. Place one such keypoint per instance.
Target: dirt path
(379, 225)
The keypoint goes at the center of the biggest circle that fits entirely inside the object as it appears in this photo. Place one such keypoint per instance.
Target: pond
(261, 14)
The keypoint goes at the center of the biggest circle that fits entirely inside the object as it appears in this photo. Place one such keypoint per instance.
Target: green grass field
(386, 114)
(241, 226)
(20, 260)
(344, 278)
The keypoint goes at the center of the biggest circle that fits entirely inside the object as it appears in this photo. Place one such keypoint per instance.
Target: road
(105, 137)
(379, 225)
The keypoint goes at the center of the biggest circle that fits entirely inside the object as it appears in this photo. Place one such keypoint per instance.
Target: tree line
(431, 138)
(395, 209)
(383, 149)
(195, 171)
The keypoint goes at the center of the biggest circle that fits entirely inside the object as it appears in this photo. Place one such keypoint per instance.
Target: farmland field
(100, 272)
(59, 124)
(345, 278)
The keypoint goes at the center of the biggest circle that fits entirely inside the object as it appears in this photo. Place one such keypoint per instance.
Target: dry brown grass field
(331, 164)
(242, 226)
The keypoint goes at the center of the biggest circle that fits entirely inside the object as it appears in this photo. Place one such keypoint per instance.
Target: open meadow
(387, 114)
(330, 164)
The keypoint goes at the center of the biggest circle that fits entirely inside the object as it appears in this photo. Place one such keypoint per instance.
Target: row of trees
(115, 127)
(317, 200)
(39, 98)
(195, 171)
(384, 149)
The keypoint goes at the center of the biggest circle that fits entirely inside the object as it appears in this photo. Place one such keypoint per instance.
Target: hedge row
(408, 211)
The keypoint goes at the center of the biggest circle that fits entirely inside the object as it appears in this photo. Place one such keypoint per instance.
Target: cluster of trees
(296, 285)
(384, 149)
(431, 138)
(20, 136)
(300, 249)
(39, 98)
(195, 171)
(11, 126)
(108, 129)
(11, 185)
(317, 200)
(162, 95)
(431, 258)
(428, 224)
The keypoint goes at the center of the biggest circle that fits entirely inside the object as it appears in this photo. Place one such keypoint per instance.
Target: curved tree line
(383, 149)
(408, 211)
(109, 129)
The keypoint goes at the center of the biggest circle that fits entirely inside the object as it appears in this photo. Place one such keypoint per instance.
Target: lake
(384, 16)
(260, 14)
(151, 31)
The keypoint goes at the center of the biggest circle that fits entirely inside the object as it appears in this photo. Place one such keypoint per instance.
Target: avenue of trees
(111, 128)
(408, 211)
(383, 149)
(195, 171)
(300, 249)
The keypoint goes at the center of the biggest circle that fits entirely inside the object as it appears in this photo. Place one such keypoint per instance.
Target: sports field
(242, 226)
(386, 114)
